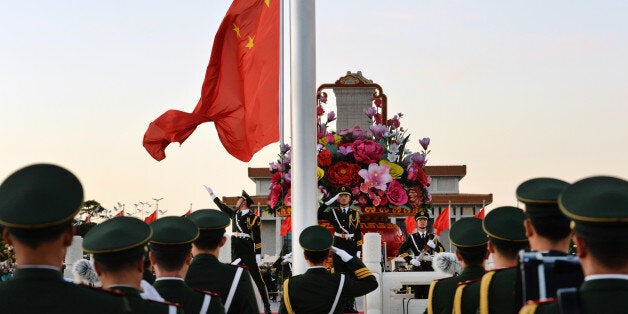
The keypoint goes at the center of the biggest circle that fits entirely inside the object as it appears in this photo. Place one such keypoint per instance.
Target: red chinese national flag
(240, 93)
(442, 221)
(480, 214)
(410, 224)
(152, 217)
(187, 214)
(120, 214)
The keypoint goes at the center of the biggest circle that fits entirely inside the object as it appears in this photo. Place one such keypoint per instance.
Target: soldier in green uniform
(547, 229)
(246, 242)
(171, 255)
(37, 205)
(345, 218)
(231, 282)
(118, 247)
(470, 241)
(598, 208)
(495, 292)
(318, 291)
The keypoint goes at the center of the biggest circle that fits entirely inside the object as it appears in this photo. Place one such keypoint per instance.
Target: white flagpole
(449, 222)
(303, 126)
(281, 90)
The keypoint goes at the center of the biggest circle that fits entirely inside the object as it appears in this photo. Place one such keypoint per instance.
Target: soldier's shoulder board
(164, 302)
(213, 294)
(464, 283)
(100, 289)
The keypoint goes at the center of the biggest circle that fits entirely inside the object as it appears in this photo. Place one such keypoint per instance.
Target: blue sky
(513, 90)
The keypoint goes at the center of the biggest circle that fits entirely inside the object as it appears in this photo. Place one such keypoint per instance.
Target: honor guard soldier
(246, 242)
(345, 218)
(117, 246)
(495, 292)
(470, 241)
(318, 291)
(171, 255)
(231, 282)
(548, 231)
(37, 206)
(598, 208)
(421, 244)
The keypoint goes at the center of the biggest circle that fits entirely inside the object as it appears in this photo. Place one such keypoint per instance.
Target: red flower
(287, 201)
(275, 194)
(343, 173)
(320, 110)
(276, 178)
(324, 158)
(421, 177)
(396, 195)
(367, 151)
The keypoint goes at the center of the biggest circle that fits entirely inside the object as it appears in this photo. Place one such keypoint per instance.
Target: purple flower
(345, 150)
(378, 130)
(275, 166)
(425, 142)
(370, 112)
(331, 116)
(284, 148)
(322, 130)
(419, 158)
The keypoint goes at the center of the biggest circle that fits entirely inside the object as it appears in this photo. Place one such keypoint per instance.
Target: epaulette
(164, 302)
(101, 289)
(541, 302)
(213, 294)
(467, 282)
(499, 269)
(238, 265)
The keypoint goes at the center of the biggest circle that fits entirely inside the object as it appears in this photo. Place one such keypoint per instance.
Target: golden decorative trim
(484, 289)
(286, 297)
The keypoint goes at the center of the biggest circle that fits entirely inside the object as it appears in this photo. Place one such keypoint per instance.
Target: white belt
(241, 235)
(344, 235)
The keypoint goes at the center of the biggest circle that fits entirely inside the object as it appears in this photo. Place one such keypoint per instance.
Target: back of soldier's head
(211, 224)
(38, 203)
(470, 240)
(504, 227)
(171, 242)
(316, 242)
(540, 196)
(598, 207)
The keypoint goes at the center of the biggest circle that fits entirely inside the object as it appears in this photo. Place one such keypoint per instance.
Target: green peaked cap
(118, 235)
(39, 196)
(208, 219)
(505, 224)
(173, 230)
(598, 207)
(315, 238)
(468, 232)
(540, 195)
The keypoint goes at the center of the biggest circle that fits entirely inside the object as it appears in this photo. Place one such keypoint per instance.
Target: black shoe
(267, 309)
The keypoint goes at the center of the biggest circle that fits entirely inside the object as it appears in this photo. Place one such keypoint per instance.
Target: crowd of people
(38, 204)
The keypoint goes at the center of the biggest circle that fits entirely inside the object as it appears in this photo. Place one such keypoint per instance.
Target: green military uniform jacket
(315, 290)
(414, 244)
(141, 305)
(494, 293)
(442, 291)
(209, 274)
(43, 290)
(193, 301)
(595, 296)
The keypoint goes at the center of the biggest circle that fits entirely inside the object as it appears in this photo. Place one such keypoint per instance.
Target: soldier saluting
(345, 218)
(246, 242)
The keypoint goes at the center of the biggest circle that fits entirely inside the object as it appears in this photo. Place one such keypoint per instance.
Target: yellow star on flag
(267, 3)
(237, 30)
(250, 43)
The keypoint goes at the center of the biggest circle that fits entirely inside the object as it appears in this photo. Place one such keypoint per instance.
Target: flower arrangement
(374, 163)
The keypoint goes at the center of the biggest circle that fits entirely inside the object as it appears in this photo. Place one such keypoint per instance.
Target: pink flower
(275, 194)
(378, 130)
(367, 151)
(322, 97)
(330, 138)
(319, 110)
(287, 200)
(331, 116)
(275, 166)
(345, 150)
(276, 178)
(378, 118)
(370, 112)
(376, 174)
(356, 132)
(396, 194)
(425, 142)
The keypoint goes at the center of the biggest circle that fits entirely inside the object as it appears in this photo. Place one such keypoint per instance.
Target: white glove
(209, 190)
(427, 258)
(344, 256)
(236, 261)
(357, 254)
(258, 258)
(415, 262)
(287, 256)
(431, 244)
(149, 292)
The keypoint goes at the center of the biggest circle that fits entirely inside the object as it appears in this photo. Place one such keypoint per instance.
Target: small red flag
(188, 213)
(87, 218)
(120, 214)
(286, 226)
(442, 221)
(410, 224)
(480, 214)
(240, 93)
(151, 218)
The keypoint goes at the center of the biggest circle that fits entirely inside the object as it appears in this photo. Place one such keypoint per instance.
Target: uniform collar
(244, 211)
(606, 276)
